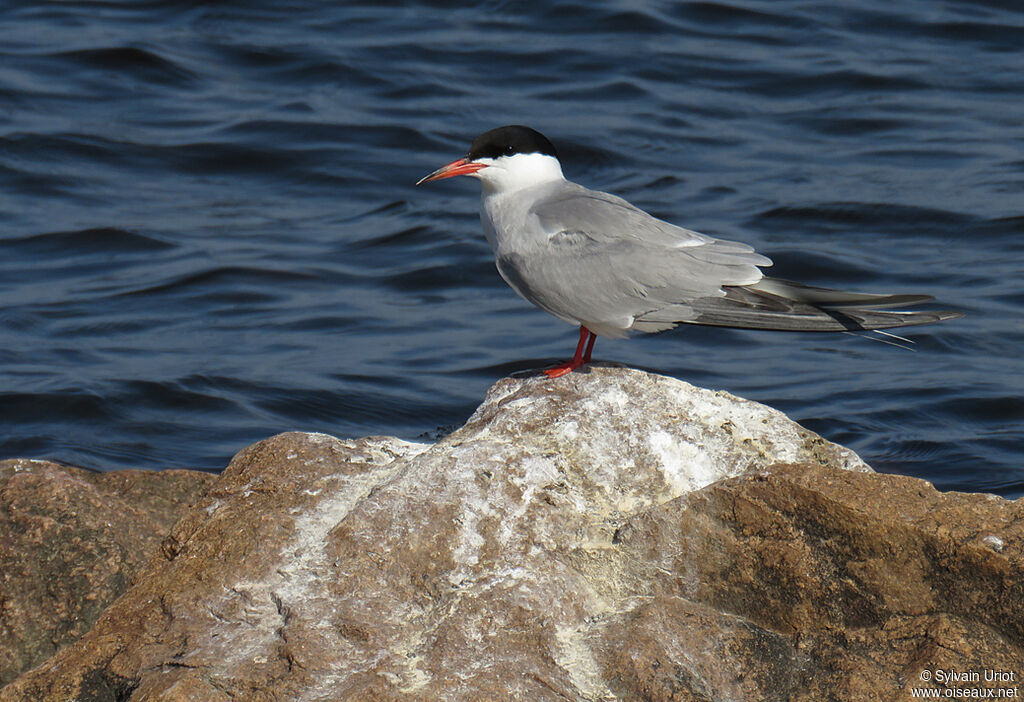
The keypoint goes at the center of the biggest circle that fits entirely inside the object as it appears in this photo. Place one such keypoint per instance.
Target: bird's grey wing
(607, 263)
(671, 256)
(663, 275)
(603, 215)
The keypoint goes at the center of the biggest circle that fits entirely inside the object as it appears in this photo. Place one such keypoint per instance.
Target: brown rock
(71, 541)
(868, 580)
(569, 542)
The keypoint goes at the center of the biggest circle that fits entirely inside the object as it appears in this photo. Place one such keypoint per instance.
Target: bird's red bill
(455, 168)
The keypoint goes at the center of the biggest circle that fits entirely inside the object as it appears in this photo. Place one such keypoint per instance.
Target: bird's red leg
(577, 359)
(590, 347)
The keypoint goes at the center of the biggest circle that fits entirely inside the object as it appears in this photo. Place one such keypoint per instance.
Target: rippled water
(209, 232)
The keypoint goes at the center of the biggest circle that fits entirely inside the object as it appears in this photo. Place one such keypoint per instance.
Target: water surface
(209, 231)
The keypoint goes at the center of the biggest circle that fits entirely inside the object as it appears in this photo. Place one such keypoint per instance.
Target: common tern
(596, 261)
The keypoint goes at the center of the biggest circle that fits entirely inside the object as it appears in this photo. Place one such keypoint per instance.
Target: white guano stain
(685, 466)
(574, 656)
(297, 584)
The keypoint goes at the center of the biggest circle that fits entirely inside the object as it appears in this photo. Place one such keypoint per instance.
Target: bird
(596, 261)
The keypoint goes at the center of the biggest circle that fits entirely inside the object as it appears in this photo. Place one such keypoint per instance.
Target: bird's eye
(509, 150)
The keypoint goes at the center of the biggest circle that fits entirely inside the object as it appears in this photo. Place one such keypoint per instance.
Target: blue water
(209, 231)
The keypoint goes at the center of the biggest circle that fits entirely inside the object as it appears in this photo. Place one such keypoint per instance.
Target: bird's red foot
(559, 371)
(587, 338)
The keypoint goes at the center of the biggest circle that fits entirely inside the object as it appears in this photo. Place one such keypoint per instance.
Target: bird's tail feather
(884, 337)
(782, 305)
(825, 297)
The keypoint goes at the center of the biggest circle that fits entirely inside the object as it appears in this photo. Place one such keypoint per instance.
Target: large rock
(71, 541)
(577, 539)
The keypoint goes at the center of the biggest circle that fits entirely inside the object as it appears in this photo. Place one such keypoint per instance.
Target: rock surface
(611, 535)
(71, 541)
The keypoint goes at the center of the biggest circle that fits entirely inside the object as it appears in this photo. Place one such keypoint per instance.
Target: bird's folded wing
(625, 246)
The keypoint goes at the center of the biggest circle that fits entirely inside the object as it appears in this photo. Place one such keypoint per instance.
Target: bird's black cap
(506, 141)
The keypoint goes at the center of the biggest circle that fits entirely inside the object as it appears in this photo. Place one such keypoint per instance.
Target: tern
(597, 262)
